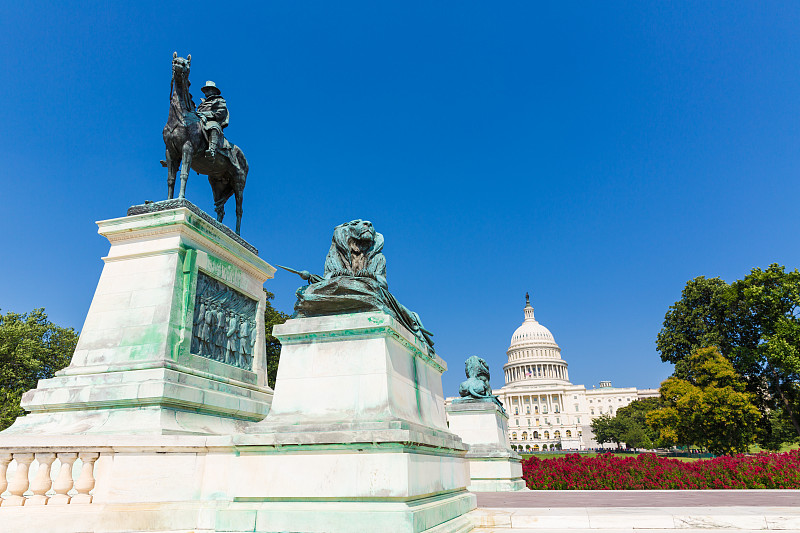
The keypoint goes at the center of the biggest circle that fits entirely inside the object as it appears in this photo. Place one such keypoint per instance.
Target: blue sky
(597, 155)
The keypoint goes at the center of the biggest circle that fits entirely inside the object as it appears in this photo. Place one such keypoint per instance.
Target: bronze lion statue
(476, 387)
(354, 280)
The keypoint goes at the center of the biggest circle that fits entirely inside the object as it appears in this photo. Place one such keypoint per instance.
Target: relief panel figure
(224, 329)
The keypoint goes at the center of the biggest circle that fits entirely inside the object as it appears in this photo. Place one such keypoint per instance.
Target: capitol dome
(531, 331)
(533, 353)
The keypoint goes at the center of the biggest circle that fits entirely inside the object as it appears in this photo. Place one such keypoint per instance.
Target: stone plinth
(137, 368)
(483, 426)
(356, 439)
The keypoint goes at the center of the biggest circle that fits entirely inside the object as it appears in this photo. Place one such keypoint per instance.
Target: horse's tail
(242, 162)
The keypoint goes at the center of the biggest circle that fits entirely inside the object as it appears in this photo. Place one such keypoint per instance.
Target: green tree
(637, 433)
(272, 317)
(755, 323)
(607, 428)
(706, 404)
(31, 348)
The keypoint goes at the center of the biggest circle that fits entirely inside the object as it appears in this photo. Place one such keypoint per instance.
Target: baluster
(5, 459)
(19, 483)
(63, 483)
(41, 482)
(85, 482)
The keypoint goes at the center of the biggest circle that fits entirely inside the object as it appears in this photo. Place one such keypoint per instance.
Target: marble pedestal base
(137, 369)
(483, 426)
(358, 419)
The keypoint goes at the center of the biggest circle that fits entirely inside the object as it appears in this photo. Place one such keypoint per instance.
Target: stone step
(652, 519)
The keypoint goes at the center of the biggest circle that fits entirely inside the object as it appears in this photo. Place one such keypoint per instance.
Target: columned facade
(546, 411)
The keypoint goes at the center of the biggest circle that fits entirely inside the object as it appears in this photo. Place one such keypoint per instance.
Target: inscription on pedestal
(224, 323)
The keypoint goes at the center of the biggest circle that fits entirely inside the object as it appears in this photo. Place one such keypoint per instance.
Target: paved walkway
(639, 498)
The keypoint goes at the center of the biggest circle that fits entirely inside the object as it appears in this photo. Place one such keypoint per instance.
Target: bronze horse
(186, 148)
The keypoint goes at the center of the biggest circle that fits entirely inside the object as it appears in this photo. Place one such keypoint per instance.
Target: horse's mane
(188, 100)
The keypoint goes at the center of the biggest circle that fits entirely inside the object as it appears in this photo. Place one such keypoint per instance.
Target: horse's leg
(217, 187)
(186, 165)
(172, 170)
(239, 192)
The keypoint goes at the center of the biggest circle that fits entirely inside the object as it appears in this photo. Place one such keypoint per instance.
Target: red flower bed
(648, 471)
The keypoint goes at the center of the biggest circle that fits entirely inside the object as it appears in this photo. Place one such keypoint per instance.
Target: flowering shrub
(648, 471)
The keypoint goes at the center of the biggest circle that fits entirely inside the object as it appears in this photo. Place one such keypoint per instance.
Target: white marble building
(546, 411)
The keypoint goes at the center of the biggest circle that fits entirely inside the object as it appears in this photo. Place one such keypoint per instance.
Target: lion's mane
(340, 261)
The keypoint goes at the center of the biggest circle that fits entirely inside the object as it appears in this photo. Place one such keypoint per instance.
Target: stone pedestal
(356, 439)
(493, 465)
(137, 368)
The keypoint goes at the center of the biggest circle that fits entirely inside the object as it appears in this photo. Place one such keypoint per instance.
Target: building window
(527, 409)
(546, 435)
(556, 434)
(514, 435)
(579, 420)
(601, 410)
(529, 422)
(516, 410)
(590, 401)
(524, 435)
(568, 433)
(577, 408)
(591, 411)
(535, 434)
(558, 420)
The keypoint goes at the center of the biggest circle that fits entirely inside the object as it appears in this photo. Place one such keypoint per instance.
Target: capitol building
(546, 411)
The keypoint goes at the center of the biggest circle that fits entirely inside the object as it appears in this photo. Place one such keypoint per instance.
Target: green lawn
(753, 449)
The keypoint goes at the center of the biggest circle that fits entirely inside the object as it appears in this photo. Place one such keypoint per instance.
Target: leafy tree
(607, 428)
(629, 426)
(31, 348)
(755, 323)
(705, 403)
(272, 317)
(637, 433)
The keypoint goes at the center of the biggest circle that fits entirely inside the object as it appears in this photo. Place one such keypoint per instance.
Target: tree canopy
(755, 324)
(31, 348)
(629, 426)
(272, 317)
(705, 404)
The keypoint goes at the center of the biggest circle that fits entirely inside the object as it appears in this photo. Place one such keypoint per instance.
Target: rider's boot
(212, 144)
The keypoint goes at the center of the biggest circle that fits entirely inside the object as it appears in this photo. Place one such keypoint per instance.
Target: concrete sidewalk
(639, 498)
(653, 511)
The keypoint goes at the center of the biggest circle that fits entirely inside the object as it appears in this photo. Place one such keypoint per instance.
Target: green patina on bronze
(193, 139)
(354, 280)
(476, 387)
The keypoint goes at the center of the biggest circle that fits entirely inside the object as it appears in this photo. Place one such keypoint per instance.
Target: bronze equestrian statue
(194, 139)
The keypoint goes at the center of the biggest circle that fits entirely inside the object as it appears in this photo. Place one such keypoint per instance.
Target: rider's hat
(210, 88)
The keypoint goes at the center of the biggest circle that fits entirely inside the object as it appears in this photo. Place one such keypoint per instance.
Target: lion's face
(361, 231)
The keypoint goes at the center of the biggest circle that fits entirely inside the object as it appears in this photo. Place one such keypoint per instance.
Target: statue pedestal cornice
(138, 367)
(483, 426)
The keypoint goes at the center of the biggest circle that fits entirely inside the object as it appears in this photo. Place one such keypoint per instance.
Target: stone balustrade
(47, 476)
